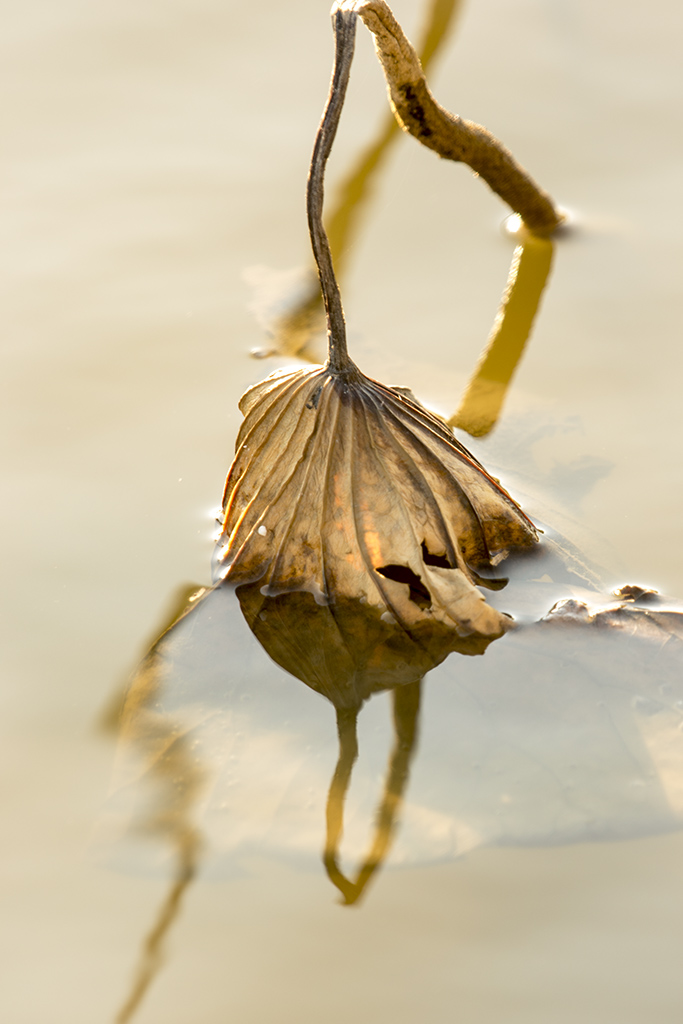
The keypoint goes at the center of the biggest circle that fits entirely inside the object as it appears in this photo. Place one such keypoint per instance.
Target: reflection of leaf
(347, 651)
(350, 490)
(568, 730)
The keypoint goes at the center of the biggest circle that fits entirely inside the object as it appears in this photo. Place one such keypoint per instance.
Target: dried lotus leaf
(349, 489)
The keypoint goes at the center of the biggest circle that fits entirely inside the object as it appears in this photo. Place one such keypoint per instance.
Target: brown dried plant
(351, 490)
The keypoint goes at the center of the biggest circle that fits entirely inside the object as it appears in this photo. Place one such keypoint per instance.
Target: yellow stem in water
(485, 394)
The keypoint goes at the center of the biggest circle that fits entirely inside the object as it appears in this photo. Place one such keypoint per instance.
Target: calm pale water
(153, 154)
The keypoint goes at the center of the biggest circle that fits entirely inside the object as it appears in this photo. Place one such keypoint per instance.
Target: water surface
(152, 156)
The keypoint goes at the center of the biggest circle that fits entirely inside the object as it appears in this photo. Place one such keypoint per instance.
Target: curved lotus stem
(355, 188)
(295, 327)
(450, 136)
(344, 23)
(447, 134)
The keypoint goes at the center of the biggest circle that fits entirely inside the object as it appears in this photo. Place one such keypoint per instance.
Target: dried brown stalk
(345, 38)
(352, 192)
(294, 329)
(447, 134)
(417, 112)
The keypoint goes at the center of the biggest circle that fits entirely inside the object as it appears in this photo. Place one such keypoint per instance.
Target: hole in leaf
(402, 574)
(491, 583)
(429, 558)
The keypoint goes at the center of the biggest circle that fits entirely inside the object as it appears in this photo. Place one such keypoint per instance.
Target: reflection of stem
(153, 948)
(482, 402)
(348, 752)
(182, 600)
(169, 763)
(447, 134)
(406, 710)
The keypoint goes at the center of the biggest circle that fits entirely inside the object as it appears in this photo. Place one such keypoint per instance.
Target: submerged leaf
(349, 489)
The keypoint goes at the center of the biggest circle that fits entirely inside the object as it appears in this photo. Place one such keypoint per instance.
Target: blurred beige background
(154, 152)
